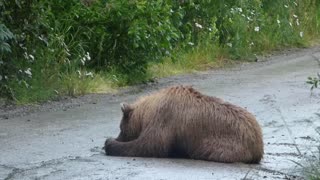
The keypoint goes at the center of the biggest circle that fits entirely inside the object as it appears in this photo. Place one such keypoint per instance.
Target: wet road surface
(66, 144)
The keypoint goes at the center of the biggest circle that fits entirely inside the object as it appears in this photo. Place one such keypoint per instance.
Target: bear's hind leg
(152, 143)
(222, 150)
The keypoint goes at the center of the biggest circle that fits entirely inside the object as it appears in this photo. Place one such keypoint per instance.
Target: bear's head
(128, 127)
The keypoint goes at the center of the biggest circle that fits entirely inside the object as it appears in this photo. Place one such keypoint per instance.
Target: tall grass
(310, 165)
(202, 57)
(312, 169)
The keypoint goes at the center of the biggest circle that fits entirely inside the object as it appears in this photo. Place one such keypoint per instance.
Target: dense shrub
(133, 34)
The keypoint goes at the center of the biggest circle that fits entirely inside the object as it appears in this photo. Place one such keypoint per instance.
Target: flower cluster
(85, 58)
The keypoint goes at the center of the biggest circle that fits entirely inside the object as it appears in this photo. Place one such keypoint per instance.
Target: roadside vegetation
(310, 165)
(55, 48)
(312, 168)
(314, 81)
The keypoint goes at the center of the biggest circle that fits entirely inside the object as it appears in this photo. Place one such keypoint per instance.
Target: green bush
(15, 31)
(136, 33)
(5, 50)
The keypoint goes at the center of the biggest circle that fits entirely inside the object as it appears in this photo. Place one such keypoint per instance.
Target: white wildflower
(171, 11)
(257, 28)
(295, 3)
(25, 54)
(295, 16)
(83, 60)
(89, 74)
(198, 25)
(229, 44)
(301, 34)
(243, 15)
(278, 21)
(239, 9)
(191, 43)
(290, 24)
(88, 56)
(31, 56)
(251, 44)
(79, 72)
(286, 6)
(28, 72)
(297, 22)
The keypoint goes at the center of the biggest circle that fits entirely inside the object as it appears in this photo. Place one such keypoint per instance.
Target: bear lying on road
(181, 122)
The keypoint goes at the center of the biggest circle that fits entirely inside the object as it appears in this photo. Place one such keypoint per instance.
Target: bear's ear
(125, 107)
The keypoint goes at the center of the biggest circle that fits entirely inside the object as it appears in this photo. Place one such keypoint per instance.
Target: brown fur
(180, 121)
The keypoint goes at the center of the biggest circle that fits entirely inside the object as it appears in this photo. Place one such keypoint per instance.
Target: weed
(311, 165)
(314, 81)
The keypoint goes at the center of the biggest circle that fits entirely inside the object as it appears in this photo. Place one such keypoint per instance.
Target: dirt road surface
(63, 140)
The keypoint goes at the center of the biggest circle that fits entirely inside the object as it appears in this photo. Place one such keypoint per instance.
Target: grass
(198, 59)
(74, 85)
(312, 170)
(48, 86)
(311, 166)
(71, 85)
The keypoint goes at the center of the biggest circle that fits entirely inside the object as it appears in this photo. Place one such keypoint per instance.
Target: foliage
(5, 36)
(310, 165)
(138, 32)
(314, 81)
(5, 49)
(51, 48)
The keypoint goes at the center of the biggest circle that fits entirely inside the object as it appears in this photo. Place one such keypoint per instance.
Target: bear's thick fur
(181, 122)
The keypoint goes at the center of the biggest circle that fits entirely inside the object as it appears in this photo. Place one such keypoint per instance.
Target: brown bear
(181, 122)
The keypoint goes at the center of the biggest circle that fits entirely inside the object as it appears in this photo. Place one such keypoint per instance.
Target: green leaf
(5, 47)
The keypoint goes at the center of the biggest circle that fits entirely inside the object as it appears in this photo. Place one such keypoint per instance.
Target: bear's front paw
(107, 145)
